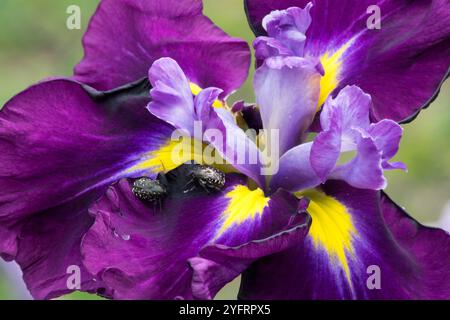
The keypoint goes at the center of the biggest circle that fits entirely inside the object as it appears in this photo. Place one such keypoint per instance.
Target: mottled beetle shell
(208, 177)
(150, 190)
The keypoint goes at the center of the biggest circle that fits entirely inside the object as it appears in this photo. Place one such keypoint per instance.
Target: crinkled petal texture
(402, 65)
(346, 128)
(125, 37)
(287, 90)
(62, 144)
(359, 246)
(48, 251)
(285, 33)
(142, 251)
(172, 99)
(201, 118)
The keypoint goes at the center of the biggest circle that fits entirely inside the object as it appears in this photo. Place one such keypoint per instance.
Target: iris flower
(311, 225)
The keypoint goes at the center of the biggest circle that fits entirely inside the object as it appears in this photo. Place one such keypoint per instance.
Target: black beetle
(209, 178)
(149, 190)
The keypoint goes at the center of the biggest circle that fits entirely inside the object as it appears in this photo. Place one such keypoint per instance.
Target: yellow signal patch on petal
(177, 152)
(332, 65)
(195, 89)
(244, 204)
(332, 228)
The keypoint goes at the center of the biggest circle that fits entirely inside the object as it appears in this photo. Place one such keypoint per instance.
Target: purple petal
(62, 144)
(295, 170)
(387, 134)
(142, 251)
(402, 65)
(125, 37)
(365, 170)
(8, 244)
(346, 117)
(172, 100)
(429, 247)
(81, 144)
(351, 108)
(258, 9)
(204, 103)
(218, 264)
(284, 107)
(49, 252)
(357, 236)
(345, 121)
(289, 27)
(197, 117)
(237, 147)
(325, 152)
(266, 47)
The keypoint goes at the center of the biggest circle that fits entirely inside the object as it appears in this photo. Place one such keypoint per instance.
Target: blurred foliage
(35, 44)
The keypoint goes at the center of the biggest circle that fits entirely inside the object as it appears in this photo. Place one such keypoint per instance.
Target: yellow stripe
(332, 228)
(175, 153)
(196, 89)
(244, 204)
(332, 64)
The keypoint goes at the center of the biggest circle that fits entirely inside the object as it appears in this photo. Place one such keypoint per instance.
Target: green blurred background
(35, 44)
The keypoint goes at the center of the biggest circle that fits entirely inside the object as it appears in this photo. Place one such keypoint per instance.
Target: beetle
(149, 190)
(209, 178)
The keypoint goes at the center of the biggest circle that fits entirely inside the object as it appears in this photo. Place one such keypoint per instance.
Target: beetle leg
(204, 186)
(190, 184)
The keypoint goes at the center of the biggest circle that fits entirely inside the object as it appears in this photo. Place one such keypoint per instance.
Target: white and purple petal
(287, 91)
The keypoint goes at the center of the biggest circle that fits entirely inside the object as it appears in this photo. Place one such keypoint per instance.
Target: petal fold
(283, 105)
(62, 144)
(360, 246)
(142, 251)
(199, 119)
(125, 37)
(401, 63)
(346, 131)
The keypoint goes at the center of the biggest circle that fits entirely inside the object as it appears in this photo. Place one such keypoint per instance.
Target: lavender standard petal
(283, 106)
